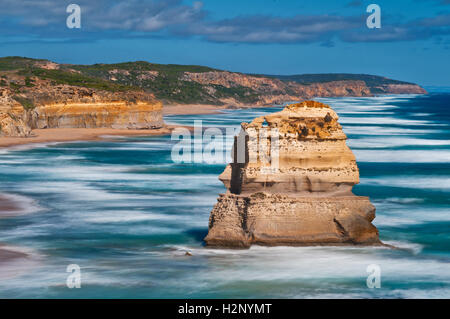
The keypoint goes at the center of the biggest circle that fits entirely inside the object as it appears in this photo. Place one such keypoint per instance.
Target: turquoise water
(123, 211)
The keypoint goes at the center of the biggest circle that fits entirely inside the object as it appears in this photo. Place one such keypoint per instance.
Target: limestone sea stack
(301, 195)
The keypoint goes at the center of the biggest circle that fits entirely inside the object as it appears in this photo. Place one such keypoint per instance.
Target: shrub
(26, 103)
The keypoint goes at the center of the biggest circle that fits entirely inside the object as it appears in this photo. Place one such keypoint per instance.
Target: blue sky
(254, 36)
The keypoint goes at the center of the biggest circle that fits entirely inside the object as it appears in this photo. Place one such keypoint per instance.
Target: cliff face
(13, 117)
(188, 84)
(400, 89)
(374, 84)
(40, 93)
(48, 105)
(114, 114)
(290, 184)
(272, 90)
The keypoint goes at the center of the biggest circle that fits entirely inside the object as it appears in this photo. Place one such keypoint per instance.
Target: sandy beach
(76, 134)
(89, 134)
(9, 208)
(179, 109)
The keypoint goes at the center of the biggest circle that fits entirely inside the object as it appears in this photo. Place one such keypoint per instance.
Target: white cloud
(46, 19)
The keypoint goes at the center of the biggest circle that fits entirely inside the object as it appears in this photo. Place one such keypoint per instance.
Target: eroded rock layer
(114, 114)
(293, 186)
(46, 105)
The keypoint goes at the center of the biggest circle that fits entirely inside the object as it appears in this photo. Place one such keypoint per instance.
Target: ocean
(122, 210)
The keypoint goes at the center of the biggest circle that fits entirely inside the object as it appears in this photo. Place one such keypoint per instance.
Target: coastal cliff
(302, 194)
(16, 121)
(112, 114)
(194, 84)
(43, 94)
(32, 102)
(267, 91)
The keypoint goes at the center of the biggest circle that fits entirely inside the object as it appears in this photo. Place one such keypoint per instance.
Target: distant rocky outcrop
(374, 84)
(301, 195)
(40, 93)
(259, 90)
(194, 84)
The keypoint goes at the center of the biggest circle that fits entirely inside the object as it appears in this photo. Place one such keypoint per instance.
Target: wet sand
(14, 262)
(10, 255)
(77, 134)
(7, 206)
(12, 205)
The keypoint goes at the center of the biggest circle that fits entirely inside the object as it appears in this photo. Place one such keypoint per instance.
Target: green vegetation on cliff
(373, 82)
(62, 76)
(26, 103)
(11, 63)
(182, 84)
(161, 79)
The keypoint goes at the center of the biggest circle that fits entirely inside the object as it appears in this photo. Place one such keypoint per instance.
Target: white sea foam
(124, 216)
(402, 200)
(348, 293)
(382, 142)
(421, 114)
(387, 131)
(17, 267)
(415, 293)
(402, 156)
(419, 182)
(370, 112)
(77, 191)
(410, 216)
(345, 108)
(413, 247)
(382, 120)
(25, 147)
(314, 263)
(25, 205)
